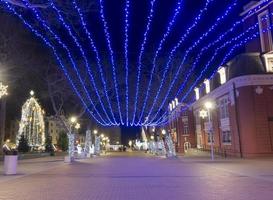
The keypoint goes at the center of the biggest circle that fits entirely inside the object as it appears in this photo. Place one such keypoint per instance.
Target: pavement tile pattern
(138, 176)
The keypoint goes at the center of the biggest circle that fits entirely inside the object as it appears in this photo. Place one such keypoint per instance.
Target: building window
(226, 137)
(265, 34)
(223, 76)
(197, 94)
(207, 86)
(223, 105)
(186, 129)
(209, 138)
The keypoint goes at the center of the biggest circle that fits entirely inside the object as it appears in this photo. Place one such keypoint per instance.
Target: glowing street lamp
(73, 119)
(209, 105)
(95, 132)
(207, 113)
(152, 137)
(163, 132)
(102, 135)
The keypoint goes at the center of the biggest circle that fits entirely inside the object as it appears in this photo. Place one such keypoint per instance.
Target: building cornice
(239, 82)
(253, 7)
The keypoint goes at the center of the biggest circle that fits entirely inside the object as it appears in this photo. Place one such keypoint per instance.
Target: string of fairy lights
(111, 100)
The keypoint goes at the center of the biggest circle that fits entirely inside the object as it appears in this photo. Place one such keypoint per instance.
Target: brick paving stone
(138, 176)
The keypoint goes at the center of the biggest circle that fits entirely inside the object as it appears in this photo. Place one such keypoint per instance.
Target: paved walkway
(136, 176)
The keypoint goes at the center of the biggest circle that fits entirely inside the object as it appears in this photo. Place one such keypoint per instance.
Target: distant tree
(23, 145)
(63, 141)
(48, 145)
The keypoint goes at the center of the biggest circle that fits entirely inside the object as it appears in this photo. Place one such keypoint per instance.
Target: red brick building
(242, 96)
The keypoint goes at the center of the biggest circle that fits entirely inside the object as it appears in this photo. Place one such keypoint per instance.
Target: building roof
(245, 64)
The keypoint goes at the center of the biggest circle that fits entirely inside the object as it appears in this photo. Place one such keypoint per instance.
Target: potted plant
(10, 160)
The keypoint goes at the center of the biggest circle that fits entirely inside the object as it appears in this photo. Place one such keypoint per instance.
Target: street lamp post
(207, 113)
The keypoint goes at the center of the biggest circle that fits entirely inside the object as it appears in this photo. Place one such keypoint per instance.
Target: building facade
(53, 128)
(240, 121)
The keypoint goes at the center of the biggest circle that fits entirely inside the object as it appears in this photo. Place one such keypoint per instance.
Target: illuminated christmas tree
(32, 124)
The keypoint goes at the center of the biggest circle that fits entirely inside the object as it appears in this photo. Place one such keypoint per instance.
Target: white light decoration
(88, 143)
(173, 103)
(197, 94)
(170, 146)
(3, 90)
(77, 126)
(207, 84)
(222, 73)
(71, 146)
(176, 101)
(97, 145)
(171, 106)
(32, 124)
(203, 114)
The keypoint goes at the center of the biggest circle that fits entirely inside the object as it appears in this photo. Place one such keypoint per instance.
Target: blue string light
(203, 50)
(225, 59)
(68, 28)
(142, 49)
(209, 62)
(166, 34)
(38, 34)
(38, 17)
(212, 28)
(107, 36)
(87, 98)
(236, 24)
(126, 27)
(183, 38)
(98, 60)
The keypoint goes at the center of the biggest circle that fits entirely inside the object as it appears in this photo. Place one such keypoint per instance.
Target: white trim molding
(241, 81)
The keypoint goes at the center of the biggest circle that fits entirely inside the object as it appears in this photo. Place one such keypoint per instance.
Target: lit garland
(61, 19)
(93, 46)
(38, 34)
(105, 119)
(142, 49)
(38, 17)
(165, 35)
(213, 57)
(212, 28)
(126, 58)
(107, 36)
(196, 22)
(235, 25)
(193, 67)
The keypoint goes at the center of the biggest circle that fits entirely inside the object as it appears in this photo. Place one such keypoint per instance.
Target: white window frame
(262, 14)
